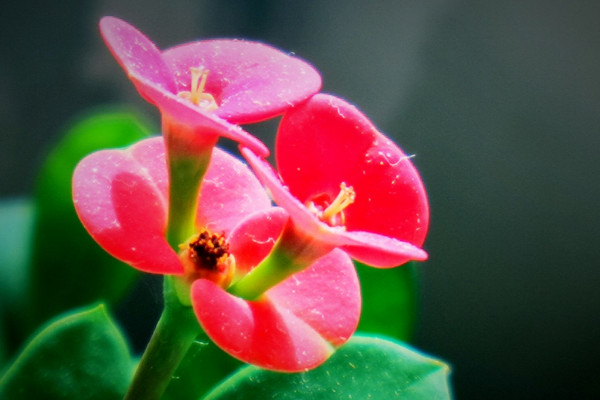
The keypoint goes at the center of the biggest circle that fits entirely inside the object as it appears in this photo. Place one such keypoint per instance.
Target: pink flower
(347, 186)
(205, 88)
(121, 197)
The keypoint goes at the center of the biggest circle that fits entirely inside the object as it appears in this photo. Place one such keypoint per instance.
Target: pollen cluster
(206, 256)
(208, 250)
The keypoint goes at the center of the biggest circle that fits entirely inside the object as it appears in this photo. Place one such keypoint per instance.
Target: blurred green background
(500, 102)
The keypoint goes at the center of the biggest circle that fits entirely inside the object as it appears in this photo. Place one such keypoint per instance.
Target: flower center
(332, 212)
(196, 94)
(206, 256)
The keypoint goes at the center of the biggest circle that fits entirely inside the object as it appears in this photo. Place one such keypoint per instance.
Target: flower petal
(229, 192)
(378, 250)
(154, 80)
(138, 56)
(253, 238)
(250, 81)
(327, 141)
(202, 121)
(121, 199)
(294, 326)
(326, 296)
(371, 248)
(257, 332)
(303, 218)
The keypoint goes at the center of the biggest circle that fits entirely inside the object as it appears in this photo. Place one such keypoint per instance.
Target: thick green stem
(189, 149)
(185, 179)
(276, 267)
(175, 332)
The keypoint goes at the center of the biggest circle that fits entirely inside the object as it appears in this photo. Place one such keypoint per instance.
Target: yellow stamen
(196, 94)
(345, 197)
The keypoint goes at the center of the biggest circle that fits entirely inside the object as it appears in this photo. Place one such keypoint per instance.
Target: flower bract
(121, 197)
(212, 85)
(346, 185)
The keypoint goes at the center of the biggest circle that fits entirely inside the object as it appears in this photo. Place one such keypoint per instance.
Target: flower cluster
(273, 285)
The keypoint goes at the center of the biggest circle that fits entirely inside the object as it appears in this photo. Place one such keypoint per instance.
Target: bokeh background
(500, 102)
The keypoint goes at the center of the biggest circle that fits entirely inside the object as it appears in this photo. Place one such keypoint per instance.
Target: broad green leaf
(366, 367)
(203, 367)
(16, 216)
(80, 355)
(389, 300)
(68, 268)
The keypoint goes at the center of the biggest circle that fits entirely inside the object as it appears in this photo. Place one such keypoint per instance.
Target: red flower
(121, 197)
(346, 185)
(209, 86)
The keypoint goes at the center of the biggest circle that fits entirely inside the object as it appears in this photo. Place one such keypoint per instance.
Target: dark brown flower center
(208, 249)
(206, 256)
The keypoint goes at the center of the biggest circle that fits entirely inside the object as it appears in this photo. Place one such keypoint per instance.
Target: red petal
(326, 296)
(303, 218)
(257, 332)
(325, 142)
(394, 202)
(121, 199)
(368, 247)
(286, 330)
(250, 81)
(230, 192)
(378, 250)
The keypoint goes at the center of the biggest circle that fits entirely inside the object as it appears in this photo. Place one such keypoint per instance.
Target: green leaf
(16, 216)
(203, 367)
(365, 368)
(81, 355)
(16, 219)
(389, 300)
(68, 268)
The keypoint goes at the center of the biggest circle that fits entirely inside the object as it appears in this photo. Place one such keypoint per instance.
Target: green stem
(292, 253)
(276, 267)
(185, 178)
(175, 332)
(189, 149)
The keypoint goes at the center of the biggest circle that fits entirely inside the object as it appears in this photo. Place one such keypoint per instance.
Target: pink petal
(285, 330)
(303, 218)
(326, 296)
(155, 82)
(229, 193)
(391, 182)
(325, 142)
(203, 122)
(378, 250)
(253, 238)
(121, 199)
(138, 56)
(257, 332)
(250, 81)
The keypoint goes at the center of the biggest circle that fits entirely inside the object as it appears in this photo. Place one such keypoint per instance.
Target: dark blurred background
(500, 102)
